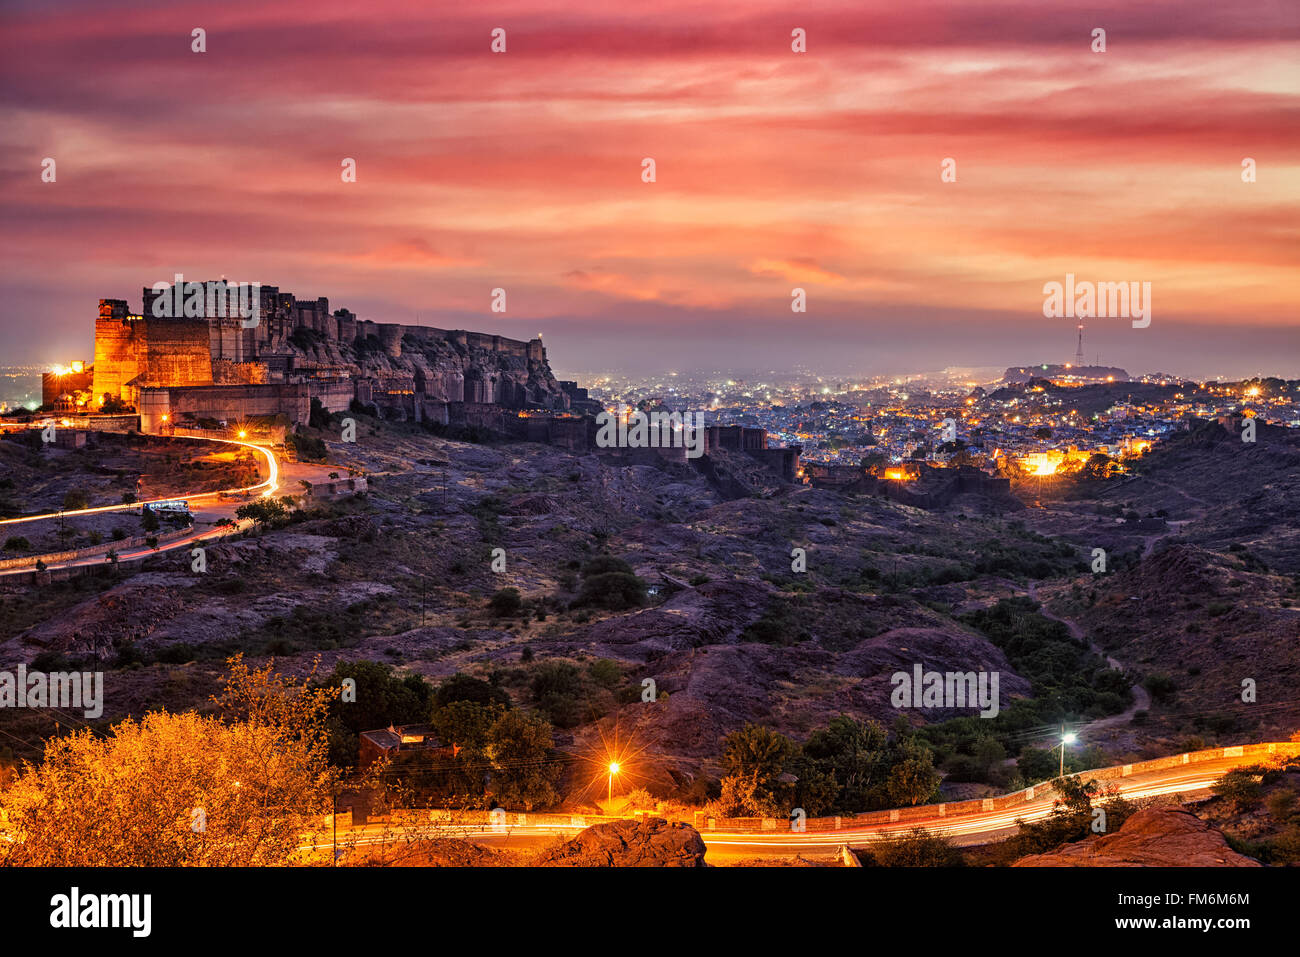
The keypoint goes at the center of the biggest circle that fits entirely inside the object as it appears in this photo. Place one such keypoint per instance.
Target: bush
(74, 499)
(1241, 786)
(17, 543)
(917, 848)
(615, 591)
(308, 448)
(462, 687)
(506, 603)
(605, 673)
(605, 564)
(1162, 687)
(176, 654)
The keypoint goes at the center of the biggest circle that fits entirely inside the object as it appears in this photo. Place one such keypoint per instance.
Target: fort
(218, 367)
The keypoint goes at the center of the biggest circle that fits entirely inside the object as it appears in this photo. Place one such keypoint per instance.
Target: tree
(149, 519)
(382, 699)
(616, 591)
(462, 687)
(913, 780)
(519, 747)
(318, 417)
(180, 789)
(757, 757)
(855, 753)
(262, 511)
(560, 691)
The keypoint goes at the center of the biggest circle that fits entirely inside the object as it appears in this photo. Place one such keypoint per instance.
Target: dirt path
(1141, 698)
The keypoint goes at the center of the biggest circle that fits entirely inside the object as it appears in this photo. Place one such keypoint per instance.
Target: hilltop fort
(219, 367)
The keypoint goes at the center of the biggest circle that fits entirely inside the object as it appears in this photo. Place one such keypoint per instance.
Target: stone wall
(134, 351)
(223, 403)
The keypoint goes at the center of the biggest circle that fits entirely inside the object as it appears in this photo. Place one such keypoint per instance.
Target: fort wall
(223, 403)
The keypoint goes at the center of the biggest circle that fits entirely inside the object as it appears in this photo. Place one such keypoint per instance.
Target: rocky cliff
(432, 366)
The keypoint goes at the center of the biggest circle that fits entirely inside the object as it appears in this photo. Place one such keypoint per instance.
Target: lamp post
(1066, 738)
(613, 770)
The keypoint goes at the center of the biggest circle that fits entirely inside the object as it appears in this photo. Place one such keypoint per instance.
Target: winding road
(208, 508)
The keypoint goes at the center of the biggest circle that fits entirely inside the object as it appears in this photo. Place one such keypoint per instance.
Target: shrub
(1241, 786)
(506, 602)
(615, 591)
(917, 848)
(74, 499)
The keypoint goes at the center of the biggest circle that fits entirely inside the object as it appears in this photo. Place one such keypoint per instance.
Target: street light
(1067, 737)
(613, 770)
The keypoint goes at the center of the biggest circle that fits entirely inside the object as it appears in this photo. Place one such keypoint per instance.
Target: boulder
(1153, 837)
(652, 842)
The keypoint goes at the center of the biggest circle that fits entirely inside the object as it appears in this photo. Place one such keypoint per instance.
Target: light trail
(267, 487)
(975, 828)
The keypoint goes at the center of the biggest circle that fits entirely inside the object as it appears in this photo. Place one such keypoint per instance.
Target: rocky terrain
(734, 629)
(34, 481)
(1153, 837)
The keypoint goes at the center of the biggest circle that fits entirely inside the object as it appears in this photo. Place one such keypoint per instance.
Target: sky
(774, 170)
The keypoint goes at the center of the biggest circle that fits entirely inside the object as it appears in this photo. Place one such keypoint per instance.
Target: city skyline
(774, 170)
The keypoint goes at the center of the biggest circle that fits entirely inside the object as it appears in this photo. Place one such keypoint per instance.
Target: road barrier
(956, 809)
(54, 558)
(922, 812)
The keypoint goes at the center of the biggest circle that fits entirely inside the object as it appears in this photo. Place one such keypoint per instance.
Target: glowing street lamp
(613, 770)
(1067, 737)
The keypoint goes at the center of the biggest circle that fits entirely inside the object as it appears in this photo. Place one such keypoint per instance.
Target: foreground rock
(1153, 837)
(652, 842)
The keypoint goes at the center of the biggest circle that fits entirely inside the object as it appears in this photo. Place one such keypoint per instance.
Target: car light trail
(266, 487)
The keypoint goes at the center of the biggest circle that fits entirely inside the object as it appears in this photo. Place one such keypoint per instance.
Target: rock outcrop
(652, 842)
(1153, 837)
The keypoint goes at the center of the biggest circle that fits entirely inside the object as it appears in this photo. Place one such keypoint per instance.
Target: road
(723, 846)
(208, 508)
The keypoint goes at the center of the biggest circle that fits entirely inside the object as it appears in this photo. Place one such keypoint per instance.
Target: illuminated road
(266, 487)
(208, 508)
(724, 846)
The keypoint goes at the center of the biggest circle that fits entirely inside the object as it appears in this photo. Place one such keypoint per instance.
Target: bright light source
(613, 767)
(243, 435)
(1069, 738)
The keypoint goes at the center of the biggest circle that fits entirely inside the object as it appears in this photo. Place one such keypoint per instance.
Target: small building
(393, 742)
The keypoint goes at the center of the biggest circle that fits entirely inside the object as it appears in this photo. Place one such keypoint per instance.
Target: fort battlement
(420, 372)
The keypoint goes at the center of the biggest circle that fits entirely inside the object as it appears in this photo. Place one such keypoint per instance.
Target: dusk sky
(774, 169)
